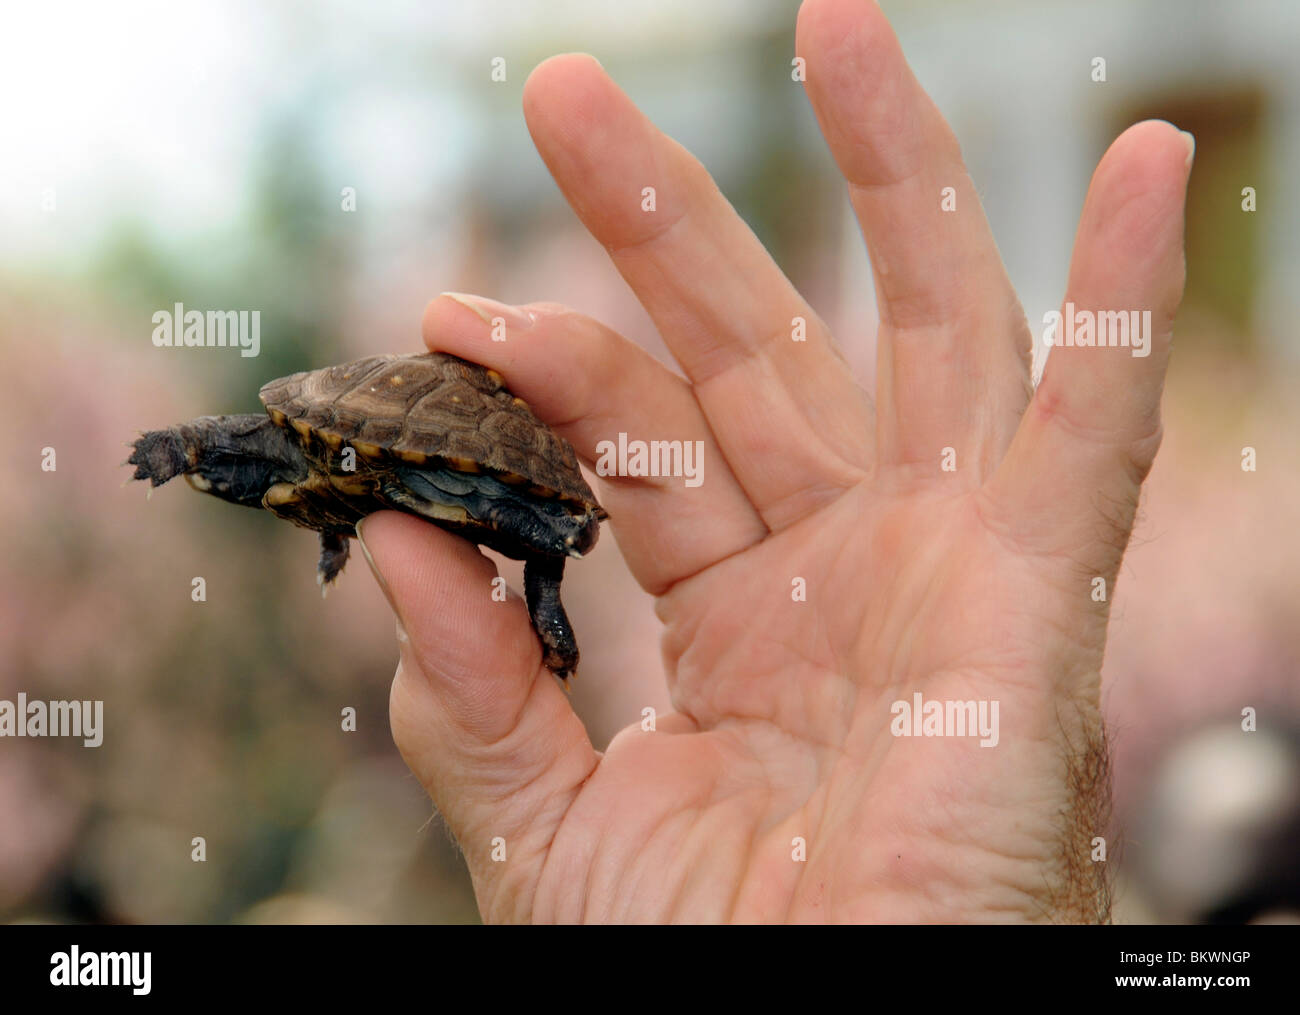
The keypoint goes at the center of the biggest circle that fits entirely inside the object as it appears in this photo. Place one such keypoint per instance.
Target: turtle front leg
(334, 549)
(542, 577)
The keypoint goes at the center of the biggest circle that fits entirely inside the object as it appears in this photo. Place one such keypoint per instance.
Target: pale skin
(968, 584)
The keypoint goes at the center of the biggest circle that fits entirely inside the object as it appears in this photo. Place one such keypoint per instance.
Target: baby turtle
(429, 434)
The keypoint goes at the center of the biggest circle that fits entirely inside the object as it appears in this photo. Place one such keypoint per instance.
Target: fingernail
(383, 585)
(493, 312)
(1191, 147)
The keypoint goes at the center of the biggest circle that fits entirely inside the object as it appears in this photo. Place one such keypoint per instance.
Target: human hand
(968, 585)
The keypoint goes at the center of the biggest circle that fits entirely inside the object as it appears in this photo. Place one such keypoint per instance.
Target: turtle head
(583, 531)
(553, 528)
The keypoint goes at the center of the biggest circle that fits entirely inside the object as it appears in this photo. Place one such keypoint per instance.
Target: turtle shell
(432, 410)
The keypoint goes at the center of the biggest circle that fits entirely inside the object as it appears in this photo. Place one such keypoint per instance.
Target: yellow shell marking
(445, 512)
(464, 464)
(414, 457)
(366, 449)
(281, 494)
(350, 484)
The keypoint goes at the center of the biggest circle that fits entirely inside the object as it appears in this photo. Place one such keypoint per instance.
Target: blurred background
(157, 153)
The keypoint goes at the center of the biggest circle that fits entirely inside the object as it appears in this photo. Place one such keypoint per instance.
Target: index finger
(793, 425)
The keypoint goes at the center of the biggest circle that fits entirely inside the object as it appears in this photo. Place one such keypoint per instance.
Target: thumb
(480, 722)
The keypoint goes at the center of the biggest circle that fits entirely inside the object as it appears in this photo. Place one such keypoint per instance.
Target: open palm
(840, 556)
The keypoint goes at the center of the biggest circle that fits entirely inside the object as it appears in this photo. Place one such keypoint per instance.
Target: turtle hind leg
(542, 577)
(237, 458)
(334, 549)
(160, 455)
